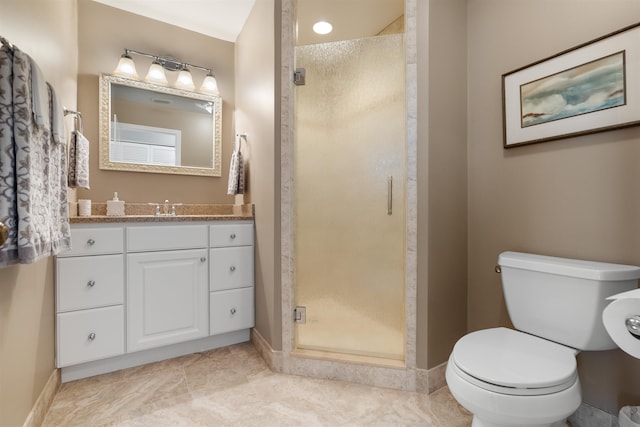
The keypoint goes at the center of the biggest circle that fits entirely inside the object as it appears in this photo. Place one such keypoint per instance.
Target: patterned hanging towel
(40, 163)
(78, 160)
(236, 173)
(8, 196)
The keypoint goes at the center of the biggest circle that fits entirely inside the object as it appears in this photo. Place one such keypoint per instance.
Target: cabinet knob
(92, 336)
(91, 242)
(203, 259)
(4, 233)
(91, 283)
(233, 236)
(232, 268)
(233, 311)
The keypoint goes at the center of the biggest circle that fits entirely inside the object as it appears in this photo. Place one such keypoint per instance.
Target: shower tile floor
(232, 386)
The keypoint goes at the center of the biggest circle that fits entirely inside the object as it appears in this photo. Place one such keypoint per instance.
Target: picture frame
(593, 87)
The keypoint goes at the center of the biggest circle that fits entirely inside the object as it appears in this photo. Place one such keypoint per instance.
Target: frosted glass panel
(349, 251)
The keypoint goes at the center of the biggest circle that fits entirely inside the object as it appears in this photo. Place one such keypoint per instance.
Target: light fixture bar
(169, 60)
(156, 75)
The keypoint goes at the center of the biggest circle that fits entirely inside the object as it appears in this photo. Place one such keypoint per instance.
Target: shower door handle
(390, 195)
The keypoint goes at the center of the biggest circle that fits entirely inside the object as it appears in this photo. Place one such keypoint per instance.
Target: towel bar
(78, 119)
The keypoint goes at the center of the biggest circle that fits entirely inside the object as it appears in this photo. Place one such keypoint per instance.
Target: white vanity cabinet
(90, 296)
(231, 277)
(167, 285)
(133, 293)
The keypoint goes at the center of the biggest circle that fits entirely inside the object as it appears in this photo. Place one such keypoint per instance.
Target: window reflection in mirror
(150, 128)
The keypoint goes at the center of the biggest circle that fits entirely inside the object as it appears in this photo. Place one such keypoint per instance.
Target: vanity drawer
(88, 282)
(230, 268)
(88, 335)
(235, 234)
(95, 241)
(166, 237)
(231, 310)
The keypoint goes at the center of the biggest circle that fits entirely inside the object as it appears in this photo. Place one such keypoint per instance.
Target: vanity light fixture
(126, 67)
(184, 80)
(322, 27)
(156, 73)
(210, 85)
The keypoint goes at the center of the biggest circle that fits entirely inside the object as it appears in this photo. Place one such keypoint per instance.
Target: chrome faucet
(165, 208)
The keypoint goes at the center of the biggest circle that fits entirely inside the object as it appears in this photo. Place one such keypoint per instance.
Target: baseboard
(273, 358)
(128, 360)
(430, 380)
(42, 404)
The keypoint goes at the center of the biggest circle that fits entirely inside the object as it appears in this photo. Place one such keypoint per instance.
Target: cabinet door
(166, 298)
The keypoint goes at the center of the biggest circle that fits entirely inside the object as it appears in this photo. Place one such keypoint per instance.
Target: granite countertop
(143, 212)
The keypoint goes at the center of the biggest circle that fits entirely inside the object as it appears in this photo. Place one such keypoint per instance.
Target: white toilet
(528, 377)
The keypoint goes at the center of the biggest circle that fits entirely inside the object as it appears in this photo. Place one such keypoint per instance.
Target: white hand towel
(79, 161)
(57, 118)
(39, 97)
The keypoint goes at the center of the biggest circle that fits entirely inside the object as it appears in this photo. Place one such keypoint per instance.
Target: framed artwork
(594, 87)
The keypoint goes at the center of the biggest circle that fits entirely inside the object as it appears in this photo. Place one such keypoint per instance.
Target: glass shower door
(350, 197)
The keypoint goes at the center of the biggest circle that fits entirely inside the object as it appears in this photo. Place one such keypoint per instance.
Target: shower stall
(349, 180)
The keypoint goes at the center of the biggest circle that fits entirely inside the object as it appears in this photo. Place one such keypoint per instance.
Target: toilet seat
(512, 362)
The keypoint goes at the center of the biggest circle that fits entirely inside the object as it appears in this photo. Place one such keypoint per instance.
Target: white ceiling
(224, 19)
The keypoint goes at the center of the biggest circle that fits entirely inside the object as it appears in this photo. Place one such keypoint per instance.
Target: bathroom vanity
(133, 292)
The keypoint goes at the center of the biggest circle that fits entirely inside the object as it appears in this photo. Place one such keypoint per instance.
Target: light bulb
(210, 85)
(185, 81)
(156, 74)
(126, 68)
(322, 27)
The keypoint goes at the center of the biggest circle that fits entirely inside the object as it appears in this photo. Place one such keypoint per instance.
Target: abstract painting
(590, 88)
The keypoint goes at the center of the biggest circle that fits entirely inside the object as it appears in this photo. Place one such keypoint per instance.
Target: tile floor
(232, 386)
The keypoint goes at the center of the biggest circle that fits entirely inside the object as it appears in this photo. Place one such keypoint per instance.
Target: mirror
(146, 127)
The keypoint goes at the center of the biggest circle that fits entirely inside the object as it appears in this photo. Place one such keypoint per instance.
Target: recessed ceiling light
(322, 27)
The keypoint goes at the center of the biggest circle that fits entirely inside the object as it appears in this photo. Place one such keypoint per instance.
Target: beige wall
(444, 132)
(46, 30)
(257, 116)
(577, 197)
(103, 34)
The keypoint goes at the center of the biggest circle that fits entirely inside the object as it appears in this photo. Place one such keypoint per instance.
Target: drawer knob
(232, 268)
(91, 283)
(233, 236)
(92, 336)
(202, 259)
(4, 233)
(91, 242)
(233, 311)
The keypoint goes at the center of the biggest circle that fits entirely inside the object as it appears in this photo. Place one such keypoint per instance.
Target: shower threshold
(348, 358)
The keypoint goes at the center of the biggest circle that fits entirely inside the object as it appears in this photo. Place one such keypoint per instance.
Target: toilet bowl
(509, 378)
(528, 377)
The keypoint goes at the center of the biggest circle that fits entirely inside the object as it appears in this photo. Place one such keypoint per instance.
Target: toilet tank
(562, 299)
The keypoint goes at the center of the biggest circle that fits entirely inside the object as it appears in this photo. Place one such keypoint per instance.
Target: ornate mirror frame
(106, 80)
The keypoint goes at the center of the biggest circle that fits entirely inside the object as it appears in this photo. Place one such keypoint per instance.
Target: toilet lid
(509, 358)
